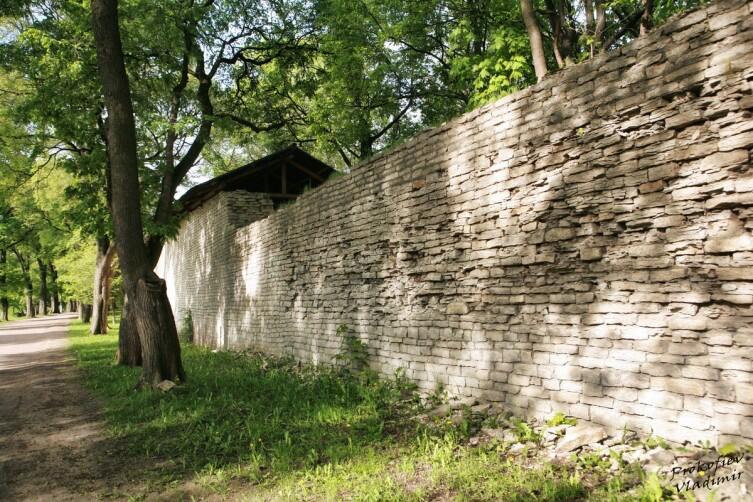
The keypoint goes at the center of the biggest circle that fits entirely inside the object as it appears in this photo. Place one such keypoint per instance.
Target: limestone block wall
(584, 246)
(194, 264)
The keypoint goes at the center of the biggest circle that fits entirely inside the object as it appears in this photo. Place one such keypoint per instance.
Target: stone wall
(195, 263)
(581, 246)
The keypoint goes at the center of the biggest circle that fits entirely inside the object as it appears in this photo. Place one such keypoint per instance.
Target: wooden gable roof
(283, 175)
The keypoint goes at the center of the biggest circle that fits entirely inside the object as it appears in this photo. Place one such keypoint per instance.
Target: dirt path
(52, 440)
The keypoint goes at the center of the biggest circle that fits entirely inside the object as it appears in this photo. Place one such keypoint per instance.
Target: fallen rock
(554, 433)
(620, 448)
(466, 401)
(500, 434)
(166, 385)
(499, 411)
(688, 455)
(603, 450)
(440, 411)
(613, 441)
(481, 409)
(579, 436)
(457, 419)
(632, 456)
(622, 438)
(658, 456)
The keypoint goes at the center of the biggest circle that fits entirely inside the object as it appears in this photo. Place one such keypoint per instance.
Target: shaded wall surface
(585, 246)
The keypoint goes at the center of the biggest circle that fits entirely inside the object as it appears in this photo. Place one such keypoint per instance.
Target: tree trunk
(647, 18)
(555, 23)
(152, 312)
(366, 148)
(601, 24)
(113, 310)
(3, 281)
(101, 289)
(534, 35)
(30, 312)
(44, 298)
(54, 288)
(28, 286)
(84, 312)
(129, 345)
(161, 351)
(71, 305)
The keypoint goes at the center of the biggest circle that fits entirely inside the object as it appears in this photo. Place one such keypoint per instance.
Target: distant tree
(24, 262)
(76, 269)
(4, 303)
(182, 56)
(574, 31)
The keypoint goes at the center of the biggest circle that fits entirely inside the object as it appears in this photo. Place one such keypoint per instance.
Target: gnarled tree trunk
(154, 321)
(159, 350)
(101, 289)
(129, 345)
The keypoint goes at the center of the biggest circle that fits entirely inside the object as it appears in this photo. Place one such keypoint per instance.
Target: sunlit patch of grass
(267, 428)
(13, 316)
(235, 409)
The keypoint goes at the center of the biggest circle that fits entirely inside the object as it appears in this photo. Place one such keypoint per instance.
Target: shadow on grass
(240, 409)
(259, 420)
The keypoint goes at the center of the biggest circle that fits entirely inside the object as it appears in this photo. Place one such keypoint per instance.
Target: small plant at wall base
(560, 418)
(186, 330)
(524, 432)
(354, 355)
(656, 441)
(439, 395)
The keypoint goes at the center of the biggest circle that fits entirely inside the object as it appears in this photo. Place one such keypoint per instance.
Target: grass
(264, 428)
(12, 316)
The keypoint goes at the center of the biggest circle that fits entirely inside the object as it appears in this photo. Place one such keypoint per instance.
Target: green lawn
(266, 428)
(13, 317)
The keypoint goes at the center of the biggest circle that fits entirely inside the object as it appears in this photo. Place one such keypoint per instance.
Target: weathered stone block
(688, 348)
(744, 393)
(682, 120)
(457, 308)
(742, 140)
(700, 372)
(689, 297)
(591, 254)
(688, 323)
(742, 242)
(730, 201)
(625, 379)
(559, 234)
(662, 399)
